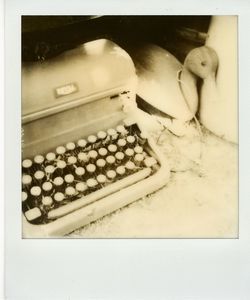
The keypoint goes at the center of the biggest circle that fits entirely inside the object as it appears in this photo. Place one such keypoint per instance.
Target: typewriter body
(85, 153)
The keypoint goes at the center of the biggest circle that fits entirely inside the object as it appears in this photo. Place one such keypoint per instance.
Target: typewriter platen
(84, 151)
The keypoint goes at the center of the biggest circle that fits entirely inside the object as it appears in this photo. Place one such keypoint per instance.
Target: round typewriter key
(69, 178)
(130, 165)
(101, 135)
(150, 161)
(81, 187)
(83, 157)
(27, 163)
(79, 171)
(100, 163)
(39, 175)
(60, 150)
(72, 160)
(49, 169)
(35, 192)
(92, 139)
(129, 152)
(59, 197)
(110, 159)
(47, 187)
(121, 129)
(47, 201)
(112, 148)
(138, 149)
(61, 164)
(70, 146)
(101, 178)
(130, 139)
(121, 142)
(103, 151)
(24, 196)
(120, 170)
(119, 156)
(139, 158)
(81, 143)
(26, 179)
(91, 168)
(92, 154)
(39, 159)
(58, 181)
(91, 182)
(112, 132)
(70, 191)
(111, 174)
(50, 156)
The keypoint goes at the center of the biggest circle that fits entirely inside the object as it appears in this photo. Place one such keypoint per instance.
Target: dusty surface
(200, 200)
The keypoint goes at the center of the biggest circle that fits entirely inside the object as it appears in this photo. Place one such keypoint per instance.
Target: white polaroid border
(116, 268)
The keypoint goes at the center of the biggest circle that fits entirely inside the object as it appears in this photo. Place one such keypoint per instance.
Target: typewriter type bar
(85, 155)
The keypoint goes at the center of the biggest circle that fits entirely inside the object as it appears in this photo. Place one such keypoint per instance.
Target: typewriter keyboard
(83, 171)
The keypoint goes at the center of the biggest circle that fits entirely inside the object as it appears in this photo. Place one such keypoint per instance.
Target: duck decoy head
(202, 61)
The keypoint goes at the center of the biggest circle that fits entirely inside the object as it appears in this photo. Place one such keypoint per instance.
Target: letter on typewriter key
(33, 214)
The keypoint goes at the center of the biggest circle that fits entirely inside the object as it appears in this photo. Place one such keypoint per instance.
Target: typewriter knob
(50, 156)
(58, 181)
(61, 164)
(92, 154)
(69, 178)
(101, 135)
(35, 191)
(70, 146)
(47, 201)
(121, 142)
(130, 139)
(110, 159)
(119, 155)
(139, 157)
(79, 171)
(100, 163)
(27, 163)
(130, 165)
(39, 159)
(103, 151)
(92, 139)
(50, 169)
(26, 179)
(112, 148)
(70, 191)
(91, 168)
(82, 143)
(91, 182)
(101, 178)
(129, 152)
(111, 174)
(138, 149)
(120, 170)
(47, 186)
(39, 175)
(81, 187)
(59, 197)
(72, 160)
(60, 150)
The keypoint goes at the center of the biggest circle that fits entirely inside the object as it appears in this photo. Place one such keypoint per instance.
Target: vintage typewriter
(84, 151)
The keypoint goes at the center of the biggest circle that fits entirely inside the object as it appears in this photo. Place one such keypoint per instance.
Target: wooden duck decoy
(171, 88)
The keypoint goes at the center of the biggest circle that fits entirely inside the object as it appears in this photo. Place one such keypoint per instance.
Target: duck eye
(203, 63)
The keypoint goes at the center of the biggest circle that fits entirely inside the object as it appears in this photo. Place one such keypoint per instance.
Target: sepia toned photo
(129, 126)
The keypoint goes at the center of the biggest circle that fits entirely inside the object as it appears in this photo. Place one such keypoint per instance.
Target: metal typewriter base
(102, 207)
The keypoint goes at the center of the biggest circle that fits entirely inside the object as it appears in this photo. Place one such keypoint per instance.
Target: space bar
(112, 188)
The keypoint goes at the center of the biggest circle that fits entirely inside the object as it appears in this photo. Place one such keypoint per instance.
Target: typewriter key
(36, 194)
(111, 174)
(138, 149)
(72, 160)
(121, 142)
(82, 143)
(33, 214)
(101, 135)
(70, 191)
(81, 187)
(26, 180)
(24, 196)
(129, 152)
(82, 157)
(112, 133)
(92, 139)
(100, 163)
(130, 165)
(69, 178)
(101, 178)
(92, 154)
(103, 151)
(110, 159)
(119, 156)
(50, 156)
(39, 176)
(91, 168)
(60, 150)
(47, 201)
(70, 146)
(61, 164)
(49, 170)
(47, 188)
(25, 205)
(139, 158)
(121, 129)
(120, 170)
(39, 160)
(27, 166)
(150, 161)
(79, 171)
(59, 197)
(58, 183)
(112, 148)
(91, 182)
(130, 139)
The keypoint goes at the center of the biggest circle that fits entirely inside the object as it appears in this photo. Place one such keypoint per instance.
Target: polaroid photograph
(122, 151)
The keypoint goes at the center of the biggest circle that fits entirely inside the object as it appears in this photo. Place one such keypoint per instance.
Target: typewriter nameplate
(65, 90)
